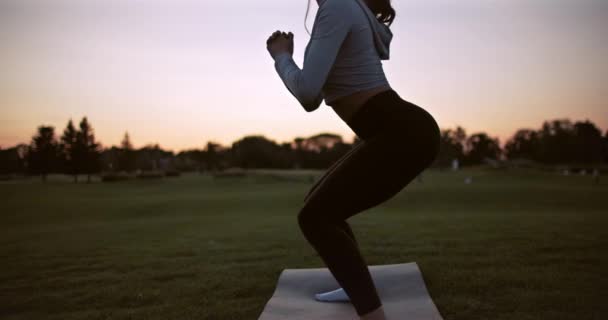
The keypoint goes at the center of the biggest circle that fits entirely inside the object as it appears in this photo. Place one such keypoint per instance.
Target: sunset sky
(183, 72)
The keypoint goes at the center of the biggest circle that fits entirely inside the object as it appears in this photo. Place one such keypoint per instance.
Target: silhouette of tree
(256, 151)
(151, 156)
(321, 141)
(110, 158)
(480, 146)
(126, 155)
(556, 141)
(606, 146)
(126, 144)
(565, 142)
(89, 148)
(588, 143)
(212, 156)
(321, 150)
(70, 152)
(190, 160)
(460, 135)
(286, 155)
(299, 154)
(43, 152)
(524, 144)
(12, 160)
(451, 146)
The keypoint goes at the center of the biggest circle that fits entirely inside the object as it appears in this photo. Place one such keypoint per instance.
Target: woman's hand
(280, 42)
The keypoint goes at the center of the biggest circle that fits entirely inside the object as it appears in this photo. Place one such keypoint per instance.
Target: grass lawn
(511, 245)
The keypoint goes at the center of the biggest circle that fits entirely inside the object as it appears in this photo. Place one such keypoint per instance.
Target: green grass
(511, 245)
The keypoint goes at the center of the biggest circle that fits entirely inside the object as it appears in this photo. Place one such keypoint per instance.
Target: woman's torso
(357, 72)
(347, 106)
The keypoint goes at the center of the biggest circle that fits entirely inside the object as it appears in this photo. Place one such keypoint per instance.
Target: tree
(299, 153)
(71, 153)
(43, 152)
(556, 141)
(606, 147)
(524, 144)
(12, 160)
(321, 141)
(126, 158)
(257, 152)
(91, 150)
(317, 151)
(189, 160)
(451, 146)
(561, 141)
(151, 157)
(212, 155)
(587, 143)
(480, 146)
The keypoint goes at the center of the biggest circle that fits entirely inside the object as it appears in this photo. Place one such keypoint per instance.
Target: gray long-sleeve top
(342, 57)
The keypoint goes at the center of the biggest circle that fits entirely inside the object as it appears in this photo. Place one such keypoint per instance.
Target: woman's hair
(381, 8)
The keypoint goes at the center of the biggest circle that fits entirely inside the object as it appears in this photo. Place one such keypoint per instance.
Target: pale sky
(183, 72)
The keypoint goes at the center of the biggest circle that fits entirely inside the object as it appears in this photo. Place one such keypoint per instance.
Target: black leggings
(398, 141)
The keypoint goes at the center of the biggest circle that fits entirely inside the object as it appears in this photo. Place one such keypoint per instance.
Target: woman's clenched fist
(279, 42)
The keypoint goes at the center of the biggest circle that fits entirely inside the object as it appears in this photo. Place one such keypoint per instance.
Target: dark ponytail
(383, 10)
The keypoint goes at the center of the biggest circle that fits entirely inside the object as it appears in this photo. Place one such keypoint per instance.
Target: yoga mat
(400, 286)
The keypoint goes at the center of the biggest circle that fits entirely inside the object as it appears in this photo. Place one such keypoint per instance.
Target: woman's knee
(311, 219)
(307, 220)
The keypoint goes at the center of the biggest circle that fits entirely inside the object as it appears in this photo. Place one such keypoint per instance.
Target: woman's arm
(330, 28)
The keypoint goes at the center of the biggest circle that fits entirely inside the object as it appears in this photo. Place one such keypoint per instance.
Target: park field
(511, 245)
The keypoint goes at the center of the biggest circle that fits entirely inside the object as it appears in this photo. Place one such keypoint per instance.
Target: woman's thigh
(372, 173)
(331, 169)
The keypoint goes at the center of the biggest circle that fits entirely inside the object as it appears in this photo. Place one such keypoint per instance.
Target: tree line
(558, 141)
(76, 152)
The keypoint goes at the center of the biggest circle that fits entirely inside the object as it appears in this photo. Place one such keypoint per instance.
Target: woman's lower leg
(338, 294)
(377, 314)
(349, 231)
(342, 257)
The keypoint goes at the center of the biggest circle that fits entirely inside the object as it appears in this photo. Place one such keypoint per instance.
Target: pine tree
(43, 152)
(606, 147)
(126, 160)
(125, 144)
(91, 150)
(70, 151)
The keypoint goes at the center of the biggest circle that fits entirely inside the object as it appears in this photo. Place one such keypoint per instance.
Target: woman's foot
(377, 314)
(338, 295)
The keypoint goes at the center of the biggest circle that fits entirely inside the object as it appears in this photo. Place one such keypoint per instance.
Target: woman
(398, 139)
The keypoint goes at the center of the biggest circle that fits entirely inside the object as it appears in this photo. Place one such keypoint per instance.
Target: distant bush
(114, 176)
(172, 173)
(152, 174)
(230, 172)
(283, 176)
(6, 177)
